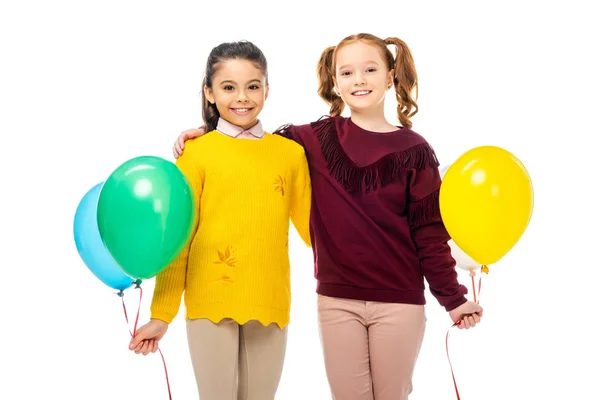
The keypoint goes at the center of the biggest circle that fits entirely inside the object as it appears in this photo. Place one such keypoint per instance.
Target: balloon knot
(137, 283)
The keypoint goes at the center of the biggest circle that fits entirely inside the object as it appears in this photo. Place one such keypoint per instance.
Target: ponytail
(325, 74)
(405, 81)
(210, 114)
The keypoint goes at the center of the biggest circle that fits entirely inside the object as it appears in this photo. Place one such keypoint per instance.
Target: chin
(365, 104)
(361, 106)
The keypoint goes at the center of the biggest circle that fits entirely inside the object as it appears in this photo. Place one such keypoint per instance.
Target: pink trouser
(370, 348)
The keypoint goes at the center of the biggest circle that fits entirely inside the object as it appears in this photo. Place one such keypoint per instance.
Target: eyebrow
(231, 81)
(366, 62)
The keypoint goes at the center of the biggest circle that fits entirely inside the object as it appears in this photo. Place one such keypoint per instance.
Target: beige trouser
(236, 362)
(370, 348)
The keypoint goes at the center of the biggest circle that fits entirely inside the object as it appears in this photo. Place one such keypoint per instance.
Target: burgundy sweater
(376, 227)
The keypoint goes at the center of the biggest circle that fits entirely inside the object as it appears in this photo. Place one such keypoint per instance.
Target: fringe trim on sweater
(425, 211)
(370, 177)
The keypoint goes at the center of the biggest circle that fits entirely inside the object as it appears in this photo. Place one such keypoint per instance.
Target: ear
(267, 92)
(336, 89)
(390, 79)
(209, 95)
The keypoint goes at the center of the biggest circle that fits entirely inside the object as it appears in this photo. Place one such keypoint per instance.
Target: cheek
(379, 83)
(259, 98)
(344, 86)
(221, 104)
(225, 98)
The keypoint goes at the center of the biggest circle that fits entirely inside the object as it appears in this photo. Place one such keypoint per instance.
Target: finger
(139, 347)
(155, 346)
(136, 340)
(466, 322)
(471, 321)
(146, 347)
(140, 335)
(151, 346)
(476, 318)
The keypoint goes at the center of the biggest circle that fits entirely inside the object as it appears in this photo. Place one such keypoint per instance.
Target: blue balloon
(89, 244)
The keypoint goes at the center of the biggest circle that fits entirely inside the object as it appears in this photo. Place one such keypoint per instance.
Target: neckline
(362, 130)
(235, 139)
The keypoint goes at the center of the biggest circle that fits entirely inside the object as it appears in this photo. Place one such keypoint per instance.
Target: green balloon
(146, 213)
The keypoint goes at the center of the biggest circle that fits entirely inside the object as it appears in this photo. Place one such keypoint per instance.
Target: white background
(84, 86)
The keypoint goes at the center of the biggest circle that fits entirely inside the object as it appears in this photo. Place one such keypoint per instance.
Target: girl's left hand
(467, 315)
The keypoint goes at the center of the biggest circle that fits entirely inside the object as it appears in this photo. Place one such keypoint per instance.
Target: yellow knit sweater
(236, 264)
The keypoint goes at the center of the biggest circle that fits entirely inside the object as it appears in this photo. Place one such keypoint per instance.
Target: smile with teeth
(241, 111)
(361, 92)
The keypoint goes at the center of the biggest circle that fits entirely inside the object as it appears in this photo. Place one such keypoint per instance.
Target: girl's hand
(147, 337)
(467, 315)
(185, 136)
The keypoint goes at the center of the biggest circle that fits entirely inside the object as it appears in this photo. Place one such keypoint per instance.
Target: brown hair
(405, 75)
(242, 50)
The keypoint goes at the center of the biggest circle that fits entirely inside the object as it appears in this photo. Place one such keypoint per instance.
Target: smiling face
(361, 76)
(239, 91)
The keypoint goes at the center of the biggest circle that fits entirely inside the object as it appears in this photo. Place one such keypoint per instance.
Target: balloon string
(449, 362)
(483, 270)
(122, 296)
(475, 295)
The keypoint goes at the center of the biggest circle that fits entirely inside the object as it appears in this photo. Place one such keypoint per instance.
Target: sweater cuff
(455, 303)
(162, 316)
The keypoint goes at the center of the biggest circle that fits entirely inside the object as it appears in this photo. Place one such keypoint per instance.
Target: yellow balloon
(486, 202)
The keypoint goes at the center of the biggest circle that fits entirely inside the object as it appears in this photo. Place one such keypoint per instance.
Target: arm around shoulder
(297, 133)
(301, 198)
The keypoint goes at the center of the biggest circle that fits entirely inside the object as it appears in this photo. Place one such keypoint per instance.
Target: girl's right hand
(185, 136)
(147, 337)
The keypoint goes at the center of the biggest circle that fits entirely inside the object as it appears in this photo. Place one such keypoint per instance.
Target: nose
(242, 98)
(359, 79)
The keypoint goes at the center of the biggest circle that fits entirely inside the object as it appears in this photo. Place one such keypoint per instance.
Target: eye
(371, 69)
(346, 73)
(228, 88)
(254, 87)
